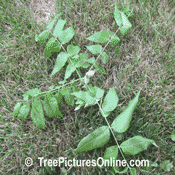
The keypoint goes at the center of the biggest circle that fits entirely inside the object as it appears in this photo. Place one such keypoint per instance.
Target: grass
(144, 59)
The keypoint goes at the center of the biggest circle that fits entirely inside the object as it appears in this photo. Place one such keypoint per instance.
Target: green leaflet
(110, 102)
(91, 60)
(97, 92)
(58, 97)
(33, 92)
(82, 61)
(117, 16)
(100, 69)
(66, 91)
(100, 37)
(69, 99)
(166, 165)
(173, 135)
(66, 35)
(85, 65)
(37, 113)
(136, 144)
(50, 26)
(95, 49)
(126, 24)
(16, 109)
(85, 96)
(114, 38)
(121, 122)
(104, 57)
(51, 46)
(62, 82)
(96, 139)
(58, 28)
(69, 70)
(111, 153)
(60, 62)
(73, 50)
(74, 85)
(43, 36)
(24, 111)
(75, 57)
(51, 87)
(25, 97)
(80, 102)
(51, 107)
(121, 18)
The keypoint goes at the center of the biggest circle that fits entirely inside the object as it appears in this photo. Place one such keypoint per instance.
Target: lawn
(143, 59)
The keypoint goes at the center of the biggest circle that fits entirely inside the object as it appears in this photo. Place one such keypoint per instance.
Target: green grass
(144, 59)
